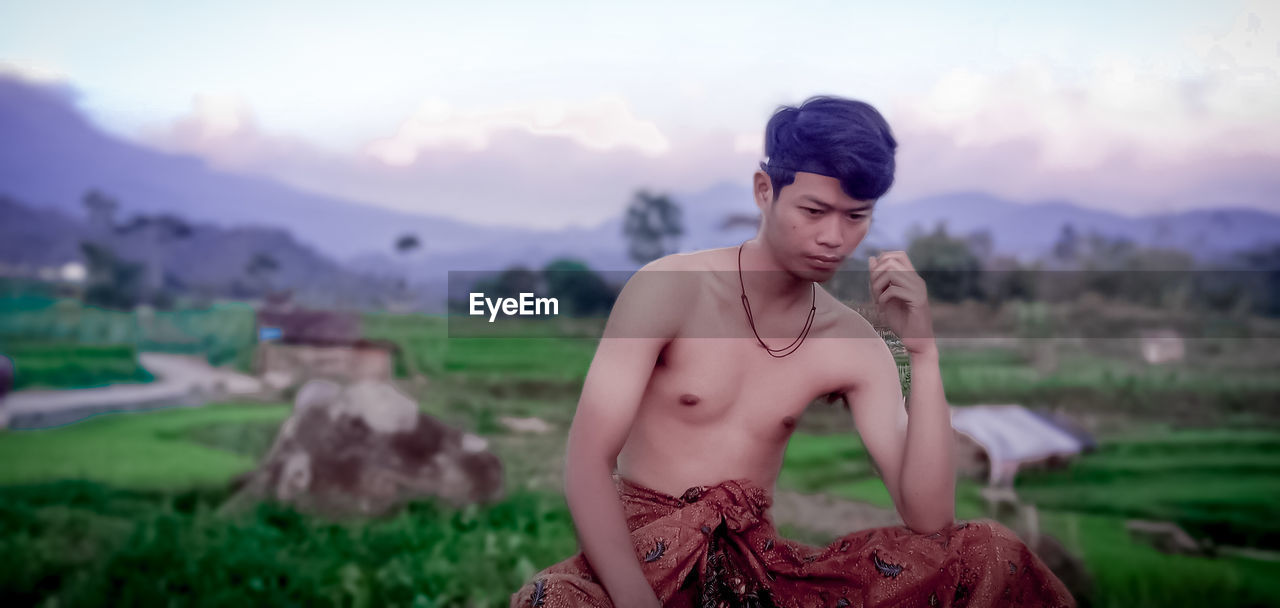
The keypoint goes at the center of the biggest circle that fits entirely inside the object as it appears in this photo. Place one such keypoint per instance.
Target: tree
(733, 221)
(406, 243)
(1067, 248)
(652, 226)
(260, 267)
(112, 282)
(510, 283)
(580, 290)
(1004, 278)
(102, 210)
(158, 232)
(948, 265)
(1262, 280)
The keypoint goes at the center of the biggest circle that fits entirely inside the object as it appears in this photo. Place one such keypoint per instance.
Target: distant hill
(50, 155)
(211, 259)
(1030, 230)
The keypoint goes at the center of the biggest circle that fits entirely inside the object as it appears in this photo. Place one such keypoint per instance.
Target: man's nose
(829, 234)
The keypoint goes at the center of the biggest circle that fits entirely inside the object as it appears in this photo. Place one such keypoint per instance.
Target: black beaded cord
(746, 304)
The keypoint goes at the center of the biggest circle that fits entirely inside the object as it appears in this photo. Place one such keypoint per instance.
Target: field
(60, 343)
(120, 508)
(64, 365)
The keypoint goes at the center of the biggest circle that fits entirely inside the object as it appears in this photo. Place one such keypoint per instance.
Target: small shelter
(1162, 346)
(296, 344)
(998, 440)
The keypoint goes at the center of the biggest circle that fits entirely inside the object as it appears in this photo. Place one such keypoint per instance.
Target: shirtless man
(673, 406)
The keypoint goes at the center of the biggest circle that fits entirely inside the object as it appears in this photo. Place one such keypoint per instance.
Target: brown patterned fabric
(717, 546)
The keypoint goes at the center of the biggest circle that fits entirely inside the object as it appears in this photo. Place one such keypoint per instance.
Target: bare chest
(718, 377)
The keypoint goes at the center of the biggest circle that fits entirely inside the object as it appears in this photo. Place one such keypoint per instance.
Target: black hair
(841, 138)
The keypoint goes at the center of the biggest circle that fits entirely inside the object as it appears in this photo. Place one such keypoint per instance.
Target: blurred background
(218, 220)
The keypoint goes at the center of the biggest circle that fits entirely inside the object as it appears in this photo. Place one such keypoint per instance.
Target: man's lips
(824, 259)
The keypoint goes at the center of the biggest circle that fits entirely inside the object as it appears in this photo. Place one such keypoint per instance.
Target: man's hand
(902, 300)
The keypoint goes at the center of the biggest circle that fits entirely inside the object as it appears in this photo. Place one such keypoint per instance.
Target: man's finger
(883, 279)
(894, 291)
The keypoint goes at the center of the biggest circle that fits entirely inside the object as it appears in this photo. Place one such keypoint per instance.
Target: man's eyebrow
(811, 198)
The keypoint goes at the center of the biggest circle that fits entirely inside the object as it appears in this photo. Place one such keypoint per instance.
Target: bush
(82, 543)
(67, 365)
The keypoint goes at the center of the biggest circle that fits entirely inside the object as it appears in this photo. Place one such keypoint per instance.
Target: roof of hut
(1012, 433)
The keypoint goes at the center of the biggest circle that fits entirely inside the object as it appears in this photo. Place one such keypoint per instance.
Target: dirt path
(180, 380)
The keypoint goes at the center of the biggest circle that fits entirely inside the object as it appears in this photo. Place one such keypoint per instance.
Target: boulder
(532, 424)
(6, 383)
(365, 449)
(1165, 537)
(1069, 568)
(1004, 506)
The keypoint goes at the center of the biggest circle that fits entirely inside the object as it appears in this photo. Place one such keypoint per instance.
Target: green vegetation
(1220, 484)
(61, 343)
(1219, 481)
(151, 536)
(148, 450)
(542, 353)
(118, 508)
(61, 365)
(1084, 381)
(1128, 574)
(85, 544)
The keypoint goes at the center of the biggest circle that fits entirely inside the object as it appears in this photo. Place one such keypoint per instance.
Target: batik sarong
(717, 546)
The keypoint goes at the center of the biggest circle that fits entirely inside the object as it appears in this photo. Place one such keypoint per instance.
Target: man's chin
(819, 275)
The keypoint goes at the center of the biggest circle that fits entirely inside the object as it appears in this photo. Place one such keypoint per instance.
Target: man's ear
(762, 190)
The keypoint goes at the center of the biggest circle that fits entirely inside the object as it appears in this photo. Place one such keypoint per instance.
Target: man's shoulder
(703, 259)
(848, 322)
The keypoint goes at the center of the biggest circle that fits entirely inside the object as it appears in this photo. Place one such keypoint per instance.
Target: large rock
(1166, 537)
(1004, 506)
(366, 449)
(6, 383)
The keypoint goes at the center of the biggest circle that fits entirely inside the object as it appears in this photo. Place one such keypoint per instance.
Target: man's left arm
(928, 482)
(912, 453)
(914, 456)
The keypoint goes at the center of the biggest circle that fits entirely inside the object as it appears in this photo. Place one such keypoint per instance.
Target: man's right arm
(644, 319)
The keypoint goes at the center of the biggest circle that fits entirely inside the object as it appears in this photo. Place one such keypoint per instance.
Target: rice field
(1196, 443)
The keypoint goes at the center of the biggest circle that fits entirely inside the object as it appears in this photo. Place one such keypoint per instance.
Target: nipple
(789, 422)
(689, 399)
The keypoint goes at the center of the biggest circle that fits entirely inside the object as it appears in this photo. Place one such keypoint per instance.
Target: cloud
(1125, 135)
(545, 165)
(32, 71)
(1250, 48)
(1159, 120)
(603, 124)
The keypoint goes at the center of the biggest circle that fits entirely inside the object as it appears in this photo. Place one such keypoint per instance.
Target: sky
(553, 114)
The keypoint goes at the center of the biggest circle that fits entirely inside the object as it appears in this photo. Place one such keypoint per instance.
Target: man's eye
(813, 211)
(856, 216)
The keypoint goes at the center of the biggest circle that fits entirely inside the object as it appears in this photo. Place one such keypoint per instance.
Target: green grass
(1216, 483)
(69, 365)
(150, 536)
(134, 450)
(1087, 511)
(1203, 479)
(222, 332)
(1197, 392)
(426, 345)
(1127, 574)
(85, 544)
(839, 465)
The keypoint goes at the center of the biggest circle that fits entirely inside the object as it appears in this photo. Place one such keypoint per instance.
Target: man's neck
(768, 285)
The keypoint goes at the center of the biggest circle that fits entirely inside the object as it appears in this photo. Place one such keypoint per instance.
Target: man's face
(813, 218)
